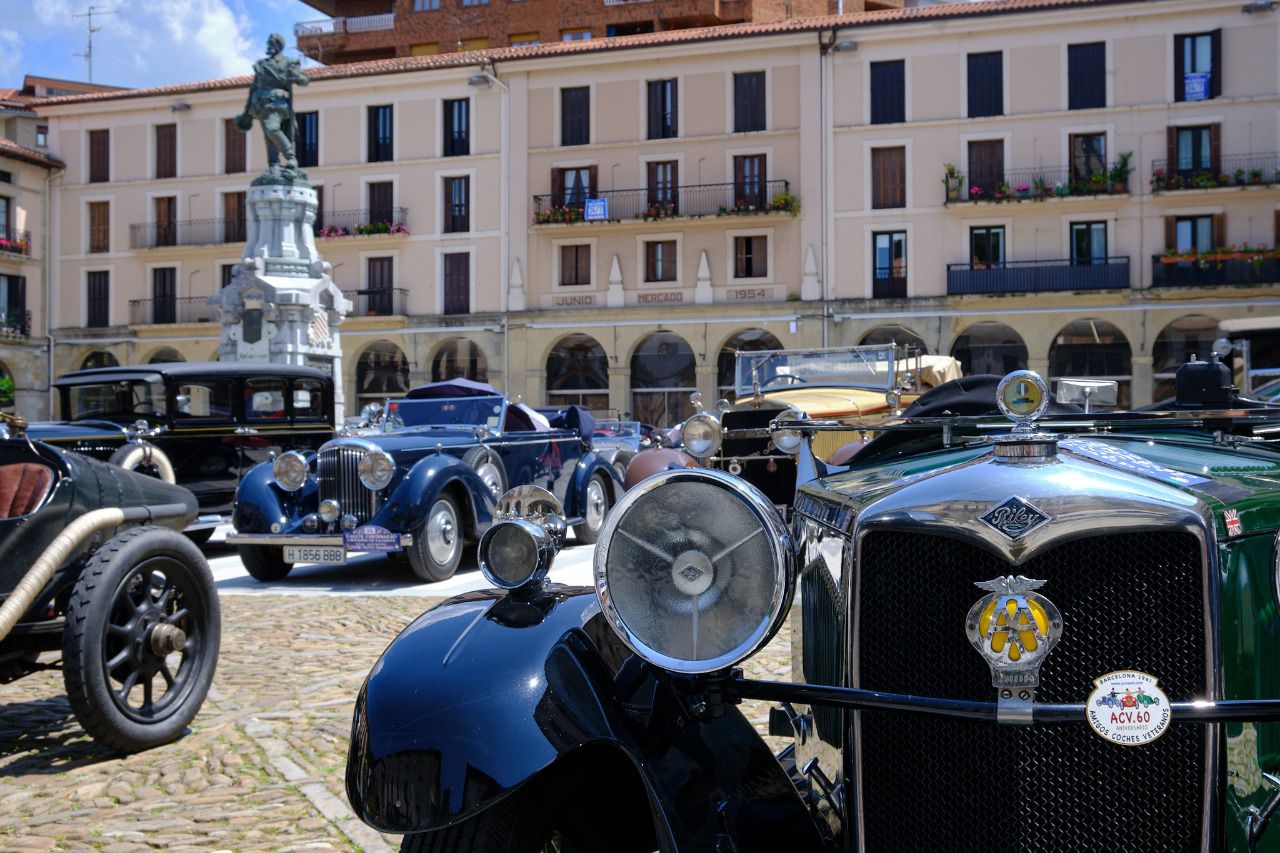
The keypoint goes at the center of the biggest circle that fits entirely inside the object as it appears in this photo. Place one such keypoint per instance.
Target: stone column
(1142, 384)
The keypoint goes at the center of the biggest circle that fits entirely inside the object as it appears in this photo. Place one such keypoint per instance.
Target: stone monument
(281, 306)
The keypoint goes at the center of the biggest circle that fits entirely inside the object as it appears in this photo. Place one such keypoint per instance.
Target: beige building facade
(607, 223)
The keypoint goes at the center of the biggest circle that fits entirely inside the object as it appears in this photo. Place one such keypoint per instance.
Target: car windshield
(615, 429)
(448, 411)
(116, 399)
(858, 367)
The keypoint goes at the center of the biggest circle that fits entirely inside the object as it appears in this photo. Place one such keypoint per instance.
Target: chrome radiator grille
(338, 476)
(1129, 601)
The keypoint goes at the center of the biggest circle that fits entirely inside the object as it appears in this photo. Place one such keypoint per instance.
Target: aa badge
(1014, 629)
(1128, 708)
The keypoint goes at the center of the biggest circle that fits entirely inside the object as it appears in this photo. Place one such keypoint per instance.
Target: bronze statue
(271, 103)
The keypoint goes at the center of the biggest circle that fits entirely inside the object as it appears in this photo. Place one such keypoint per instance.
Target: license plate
(315, 554)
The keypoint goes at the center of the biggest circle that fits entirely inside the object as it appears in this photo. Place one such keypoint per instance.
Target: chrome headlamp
(701, 435)
(517, 550)
(694, 570)
(290, 470)
(788, 440)
(376, 469)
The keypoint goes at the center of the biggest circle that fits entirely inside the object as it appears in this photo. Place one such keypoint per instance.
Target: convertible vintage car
(964, 602)
(91, 565)
(422, 481)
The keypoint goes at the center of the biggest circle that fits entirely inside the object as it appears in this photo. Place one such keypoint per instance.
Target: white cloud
(10, 55)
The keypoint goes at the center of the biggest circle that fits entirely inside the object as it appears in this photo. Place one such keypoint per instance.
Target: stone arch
(459, 358)
(990, 347)
(1180, 340)
(746, 340)
(664, 372)
(894, 333)
(578, 372)
(165, 355)
(382, 373)
(1095, 349)
(98, 358)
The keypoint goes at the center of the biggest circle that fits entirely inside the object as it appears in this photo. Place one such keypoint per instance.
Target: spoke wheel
(437, 543)
(595, 508)
(141, 639)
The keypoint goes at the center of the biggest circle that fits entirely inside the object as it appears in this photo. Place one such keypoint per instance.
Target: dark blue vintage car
(422, 481)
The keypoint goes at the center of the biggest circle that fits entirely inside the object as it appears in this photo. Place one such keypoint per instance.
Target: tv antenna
(88, 52)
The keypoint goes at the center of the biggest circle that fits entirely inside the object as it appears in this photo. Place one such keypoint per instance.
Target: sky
(142, 42)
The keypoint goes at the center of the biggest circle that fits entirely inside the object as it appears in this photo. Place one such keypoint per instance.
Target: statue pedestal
(282, 306)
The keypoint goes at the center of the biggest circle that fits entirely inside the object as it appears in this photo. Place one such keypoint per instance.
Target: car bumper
(406, 539)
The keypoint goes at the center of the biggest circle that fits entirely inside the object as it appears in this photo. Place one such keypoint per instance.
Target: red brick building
(359, 30)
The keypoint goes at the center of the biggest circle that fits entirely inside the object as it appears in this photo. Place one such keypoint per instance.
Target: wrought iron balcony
(15, 242)
(185, 309)
(336, 26)
(1215, 268)
(1037, 276)
(1035, 184)
(1236, 171)
(189, 232)
(890, 285)
(15, 324)
(735, 199)
(379, 301)
(367, 222)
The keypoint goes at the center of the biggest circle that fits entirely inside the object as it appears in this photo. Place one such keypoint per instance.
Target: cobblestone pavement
(262, 767)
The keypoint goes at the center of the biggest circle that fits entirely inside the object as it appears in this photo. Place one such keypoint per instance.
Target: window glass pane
(204, 399)
(264, 399)
(308, 398)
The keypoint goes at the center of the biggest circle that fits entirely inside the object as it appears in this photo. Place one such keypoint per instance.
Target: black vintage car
(422, 481)
(201, 424)
(92, 565)
(1054, 634)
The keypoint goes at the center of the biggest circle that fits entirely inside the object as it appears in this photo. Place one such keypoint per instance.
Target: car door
(202, 443)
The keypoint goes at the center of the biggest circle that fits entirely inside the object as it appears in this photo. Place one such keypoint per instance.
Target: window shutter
(1215, 148)
(373, 134)
(1170, 233)
(319, 223)
(1179, 69)
(986, 84)
(675, 108)
(166, 150)
(655, 109)
(1219, 230)
(1215, 70)
(17, 296)
(1277, 231)
(1171, 150)
(99, 156)
(593, 185)
(674, 194)
(557, 186)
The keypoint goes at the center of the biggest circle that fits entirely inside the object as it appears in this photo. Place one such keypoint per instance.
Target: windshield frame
(871, 366)
(73, 403)
(420, 412)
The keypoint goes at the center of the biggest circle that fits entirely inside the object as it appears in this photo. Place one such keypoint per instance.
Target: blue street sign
(1195, 86)
(597, 209)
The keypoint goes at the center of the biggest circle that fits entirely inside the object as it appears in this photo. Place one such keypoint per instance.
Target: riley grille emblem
(1013, 518)
(1014, 628)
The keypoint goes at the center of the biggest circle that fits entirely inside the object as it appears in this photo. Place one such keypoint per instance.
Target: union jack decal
(1232, 519)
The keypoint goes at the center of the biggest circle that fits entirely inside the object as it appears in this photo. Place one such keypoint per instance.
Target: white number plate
(315, 554)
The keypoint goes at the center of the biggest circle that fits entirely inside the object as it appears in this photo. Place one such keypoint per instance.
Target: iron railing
(379, 301)
(185, 309)
(731, 199)
(345, 223)
(1171, 272)
(890, 286)
(1037, 276)
(188, 232)
(15, 324)
(1032, 184)
(1236, 171)
(15, 242)
(336, 26)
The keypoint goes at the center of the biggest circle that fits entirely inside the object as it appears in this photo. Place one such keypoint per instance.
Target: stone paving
(262, 767)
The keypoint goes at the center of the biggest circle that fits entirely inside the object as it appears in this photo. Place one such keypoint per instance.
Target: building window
(99, 226)
(575, 265)
(748, 102)
(749, 181)
(1088, 155)
(475, 2)
(1088, 242)
(99, 156)
(576, 34)
(426, 49)
(98, 299)
(457, 127)
(457, 193)
(578, 373)
(888, 177)
(460, 359)
(380, 133)
(308, 139)
(8, 229)
(164, 295)
(986, 84)
(751, 256)
(381, 200)
(1086, 76)
(6, 177)
(1196, 233)
(426, 5)
(986, 247)
(888, 92)
(1194, 149)
(662, 109)
(663, 374)
(889, 271)
(518, 39)
(986, 167)
(575, 116)
(166, 220)
(228, 274)
(1197, 67)
(378, 284)
(481, 43)
(233, 219)
(660, 260)
(42, 136)
(13, 302)
(572, 187)
(457, 283)
(166, 151)
(664, 186)
(233, 147)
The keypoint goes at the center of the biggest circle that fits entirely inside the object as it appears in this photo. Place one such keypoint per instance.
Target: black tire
(264, 562)
(199, 537)
(113, 657)
(437, 542)
(489, 468)
(596, 503)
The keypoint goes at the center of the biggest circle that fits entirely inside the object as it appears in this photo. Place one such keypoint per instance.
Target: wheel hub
(166, 639)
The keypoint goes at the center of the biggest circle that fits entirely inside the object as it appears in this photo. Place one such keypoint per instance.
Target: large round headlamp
(701, 435)
(694, 570)
(290, 470)
(788, 440)
(375, 469)
(515, 553)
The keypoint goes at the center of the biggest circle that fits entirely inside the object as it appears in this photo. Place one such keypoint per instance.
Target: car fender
(260, 502)
(482, 694)
(418, 489)
(588, 466)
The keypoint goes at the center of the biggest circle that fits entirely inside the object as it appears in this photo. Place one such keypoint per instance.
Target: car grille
(338, 476)
(775, 476)
(1129, 601)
